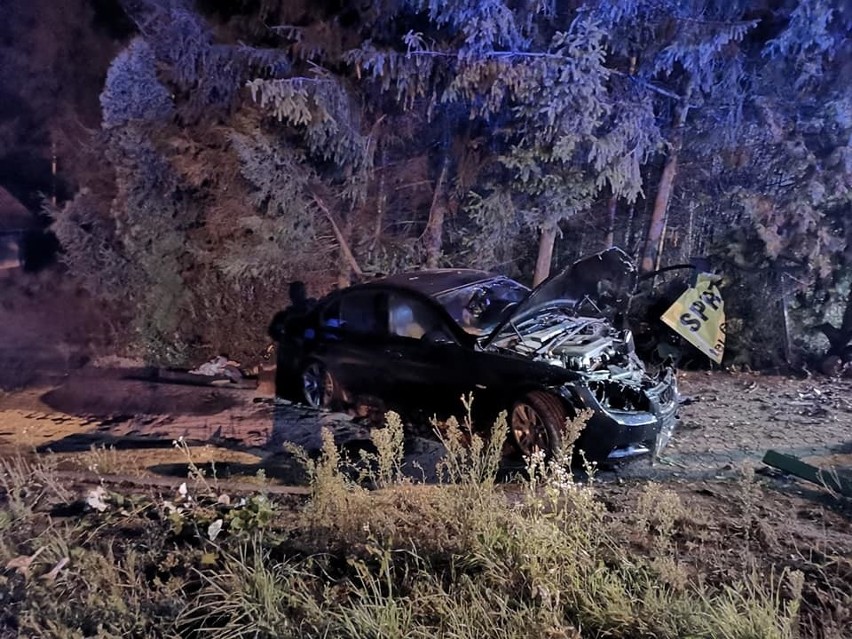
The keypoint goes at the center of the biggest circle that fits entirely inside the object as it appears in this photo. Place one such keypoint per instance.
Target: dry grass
(466, 558)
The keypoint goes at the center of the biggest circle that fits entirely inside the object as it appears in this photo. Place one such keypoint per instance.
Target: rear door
(352, 338)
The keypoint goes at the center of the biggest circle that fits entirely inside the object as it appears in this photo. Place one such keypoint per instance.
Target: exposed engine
(590, 346)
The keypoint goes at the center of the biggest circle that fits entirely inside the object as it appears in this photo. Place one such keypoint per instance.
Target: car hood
(598, 285)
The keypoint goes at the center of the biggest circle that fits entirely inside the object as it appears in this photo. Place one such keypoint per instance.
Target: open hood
(599, 285)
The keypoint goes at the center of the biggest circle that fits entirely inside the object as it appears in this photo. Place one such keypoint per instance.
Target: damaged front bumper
(613, 435)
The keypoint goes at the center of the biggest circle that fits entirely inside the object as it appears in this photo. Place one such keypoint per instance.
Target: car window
(480, 307)
(330, 315)
(410, 317)
(362, 312)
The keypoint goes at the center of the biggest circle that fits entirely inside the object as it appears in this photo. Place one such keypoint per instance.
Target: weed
(389, 451)
(195, 474)
(464, 559)
(101, 460)
(28, 484)
(471, 459)
(749, 500)
(657, 512)
(248, 595)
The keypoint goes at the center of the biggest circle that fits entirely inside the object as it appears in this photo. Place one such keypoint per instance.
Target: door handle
(393, 354)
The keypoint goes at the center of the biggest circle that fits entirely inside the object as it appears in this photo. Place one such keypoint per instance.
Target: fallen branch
(344, 245)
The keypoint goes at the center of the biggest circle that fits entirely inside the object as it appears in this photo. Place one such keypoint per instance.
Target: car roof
(433, 282)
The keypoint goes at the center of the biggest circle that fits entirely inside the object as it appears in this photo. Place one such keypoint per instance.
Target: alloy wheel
(316, 385)
(529, 429)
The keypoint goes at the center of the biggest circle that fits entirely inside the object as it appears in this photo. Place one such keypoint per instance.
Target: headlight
(619, 396)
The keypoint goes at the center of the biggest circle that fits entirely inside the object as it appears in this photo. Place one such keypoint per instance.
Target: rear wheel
(537, 421)
(319, 387)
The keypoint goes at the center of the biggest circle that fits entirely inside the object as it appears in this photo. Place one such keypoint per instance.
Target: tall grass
(373, 553)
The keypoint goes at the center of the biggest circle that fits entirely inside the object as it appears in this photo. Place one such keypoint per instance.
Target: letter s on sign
(691, 322)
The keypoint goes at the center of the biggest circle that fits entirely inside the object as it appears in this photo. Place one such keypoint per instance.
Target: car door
(352, 331)
(425, 358)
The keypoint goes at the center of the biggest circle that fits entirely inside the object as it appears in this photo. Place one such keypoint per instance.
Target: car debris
(219, 366)
(698, 316)
(828, 479)
(425, 338)
(219, 371)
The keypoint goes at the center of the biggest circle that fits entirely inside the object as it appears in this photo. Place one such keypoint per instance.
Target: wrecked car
(426, 338)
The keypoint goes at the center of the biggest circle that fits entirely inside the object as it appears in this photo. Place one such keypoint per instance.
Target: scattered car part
(795, 466)
(698, 316)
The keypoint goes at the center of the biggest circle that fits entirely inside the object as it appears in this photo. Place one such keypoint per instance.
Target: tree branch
(341, 239)
(556, 56)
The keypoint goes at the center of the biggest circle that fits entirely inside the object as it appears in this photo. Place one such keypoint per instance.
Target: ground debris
(22, 563)
(828, 479)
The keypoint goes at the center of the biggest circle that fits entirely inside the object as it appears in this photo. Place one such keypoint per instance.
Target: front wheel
(537, 421)
(318, 386)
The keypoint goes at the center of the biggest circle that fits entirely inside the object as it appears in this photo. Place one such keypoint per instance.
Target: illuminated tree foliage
(245, 144)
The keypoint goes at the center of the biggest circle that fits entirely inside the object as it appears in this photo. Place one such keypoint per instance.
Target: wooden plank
(224, 485)
(795, 466)
(165, 376)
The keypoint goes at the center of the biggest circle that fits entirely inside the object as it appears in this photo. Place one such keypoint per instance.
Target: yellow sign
(699, 317)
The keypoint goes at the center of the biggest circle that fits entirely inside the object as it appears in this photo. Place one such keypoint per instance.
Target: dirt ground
(105, 420)
(58, 393)
(728, 421)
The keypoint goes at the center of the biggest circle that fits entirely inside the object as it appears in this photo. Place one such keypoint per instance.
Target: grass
(373, 553)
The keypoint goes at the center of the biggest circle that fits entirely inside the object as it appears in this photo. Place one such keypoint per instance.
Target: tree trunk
(664, 191)
(661, 204)
(628, 232)
(687, 252)
(434, 233)
(381, 201)
(346, 255)
(345, 260)
(545, 253)
(662, 241)
(610, 229)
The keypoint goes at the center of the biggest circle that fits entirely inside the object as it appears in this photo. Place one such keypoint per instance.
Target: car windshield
(479, 308)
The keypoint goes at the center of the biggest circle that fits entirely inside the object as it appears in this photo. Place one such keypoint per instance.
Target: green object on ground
(795, 466)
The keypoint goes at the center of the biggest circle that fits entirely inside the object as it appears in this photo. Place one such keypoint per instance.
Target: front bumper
(613, 435)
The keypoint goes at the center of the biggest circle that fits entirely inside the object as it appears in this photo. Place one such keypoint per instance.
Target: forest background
(209, 152)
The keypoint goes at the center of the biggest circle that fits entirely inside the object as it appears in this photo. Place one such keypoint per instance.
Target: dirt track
(728, 420)
(731, 419)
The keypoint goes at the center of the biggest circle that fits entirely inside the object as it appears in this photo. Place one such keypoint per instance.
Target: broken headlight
(616, 396)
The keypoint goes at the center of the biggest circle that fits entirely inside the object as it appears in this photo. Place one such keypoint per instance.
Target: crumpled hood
(599, 285)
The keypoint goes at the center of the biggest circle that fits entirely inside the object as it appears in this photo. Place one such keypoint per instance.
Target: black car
(424, 339)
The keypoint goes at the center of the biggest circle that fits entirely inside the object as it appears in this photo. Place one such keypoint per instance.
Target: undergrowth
(371, 553)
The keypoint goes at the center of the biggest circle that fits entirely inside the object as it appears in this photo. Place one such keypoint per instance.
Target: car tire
(536, 422)
(318, 386)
